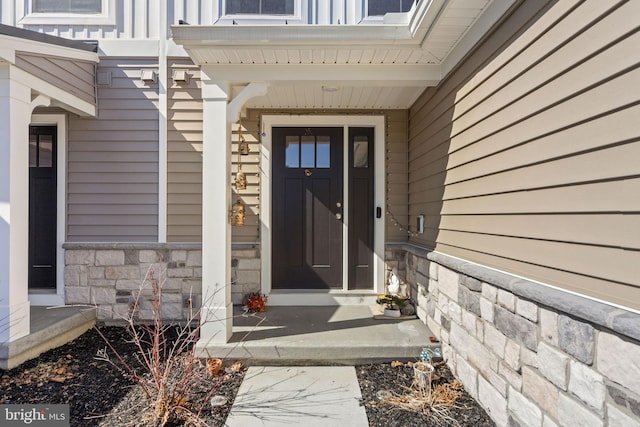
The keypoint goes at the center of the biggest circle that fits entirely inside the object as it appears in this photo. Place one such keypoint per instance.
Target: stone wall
(245, 272)
(530, 354)
(111, 276)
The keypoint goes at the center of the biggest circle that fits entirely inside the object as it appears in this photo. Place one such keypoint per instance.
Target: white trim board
(59, 120)
(346, 121)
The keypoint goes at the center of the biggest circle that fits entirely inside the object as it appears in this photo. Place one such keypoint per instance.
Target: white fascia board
(58, 96)
(364, 74)
(489, 17)
(34, 47)
(292, 35)
(422, 21)
(7, 55)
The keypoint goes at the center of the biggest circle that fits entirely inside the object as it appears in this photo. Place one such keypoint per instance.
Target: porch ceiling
(382, 66)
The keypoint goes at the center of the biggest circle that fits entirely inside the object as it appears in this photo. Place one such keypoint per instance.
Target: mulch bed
(383, 386)
(99, 395)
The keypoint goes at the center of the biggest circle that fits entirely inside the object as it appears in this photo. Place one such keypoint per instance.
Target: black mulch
(380, 381)
(99, 395)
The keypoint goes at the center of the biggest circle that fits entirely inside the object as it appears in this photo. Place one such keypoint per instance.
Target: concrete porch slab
(319, 335)
(50, 328)
(313, 396)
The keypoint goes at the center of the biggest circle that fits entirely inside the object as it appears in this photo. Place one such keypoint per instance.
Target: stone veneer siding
(110, 276)
(530, 354)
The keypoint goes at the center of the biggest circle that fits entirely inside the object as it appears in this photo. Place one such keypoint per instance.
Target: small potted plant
(256, 302)
(392, 304)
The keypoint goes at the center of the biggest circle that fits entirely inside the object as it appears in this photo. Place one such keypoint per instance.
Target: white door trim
(345, 121)
(59, 120)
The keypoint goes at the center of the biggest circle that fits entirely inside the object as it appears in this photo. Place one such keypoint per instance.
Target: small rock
(218, 400)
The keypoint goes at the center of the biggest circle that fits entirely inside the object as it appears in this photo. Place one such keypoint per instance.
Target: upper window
(70, 12)
(67, 6)
(381, 7)
(260, 7)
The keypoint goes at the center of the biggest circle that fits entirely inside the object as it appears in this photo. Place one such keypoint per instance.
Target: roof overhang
(17, 44)
(371, 66)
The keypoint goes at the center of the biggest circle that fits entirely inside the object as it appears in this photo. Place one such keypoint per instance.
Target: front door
(307, 208)
(42, 207)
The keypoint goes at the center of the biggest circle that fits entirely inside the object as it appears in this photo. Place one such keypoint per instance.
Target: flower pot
(391, 312)
(422, 373)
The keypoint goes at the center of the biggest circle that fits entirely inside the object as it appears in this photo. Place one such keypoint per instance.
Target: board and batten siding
(525, 158)
(73, 76)
(113, 160)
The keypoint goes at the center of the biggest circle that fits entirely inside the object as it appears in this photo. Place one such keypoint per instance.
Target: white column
(15, 114)
(217, 311)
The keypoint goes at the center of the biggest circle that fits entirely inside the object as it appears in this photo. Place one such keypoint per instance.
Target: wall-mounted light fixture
(148, 76)
(180, 76)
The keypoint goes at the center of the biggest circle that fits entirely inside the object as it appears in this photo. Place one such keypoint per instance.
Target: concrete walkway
(310, 396)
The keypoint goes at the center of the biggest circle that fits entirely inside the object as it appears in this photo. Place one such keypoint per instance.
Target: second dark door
(42, 207)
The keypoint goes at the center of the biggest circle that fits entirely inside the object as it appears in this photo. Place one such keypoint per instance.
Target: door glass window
(292, 153)
(361, 152)
(323, 152)
(40, 151)
(33, 151)
(308, 152)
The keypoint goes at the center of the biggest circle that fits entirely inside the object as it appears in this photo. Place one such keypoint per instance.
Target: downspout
(162, 122)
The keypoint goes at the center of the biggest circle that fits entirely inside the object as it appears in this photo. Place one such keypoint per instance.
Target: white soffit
(371, 65)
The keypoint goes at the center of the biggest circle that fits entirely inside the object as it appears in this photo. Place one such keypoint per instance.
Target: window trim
(389, 16)
(106, 17)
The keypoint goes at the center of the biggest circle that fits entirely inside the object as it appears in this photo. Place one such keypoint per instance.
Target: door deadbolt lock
(339, 205)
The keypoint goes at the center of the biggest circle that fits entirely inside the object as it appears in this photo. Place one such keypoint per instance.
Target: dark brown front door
(42, 207)
(307, 208)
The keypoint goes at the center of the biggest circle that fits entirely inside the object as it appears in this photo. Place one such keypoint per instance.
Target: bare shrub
(165, 366)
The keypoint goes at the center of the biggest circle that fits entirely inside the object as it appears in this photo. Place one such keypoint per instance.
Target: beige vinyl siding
(73, 76)
(525, 158)
(184, 210)
(184, 154)
(113, 161)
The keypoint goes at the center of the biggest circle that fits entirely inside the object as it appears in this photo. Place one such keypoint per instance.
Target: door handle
(339, 215)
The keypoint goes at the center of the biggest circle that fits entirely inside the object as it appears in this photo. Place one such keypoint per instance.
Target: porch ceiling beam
(236, 105)
(414, 75)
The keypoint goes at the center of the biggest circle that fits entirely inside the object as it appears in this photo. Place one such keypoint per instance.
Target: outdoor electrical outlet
(187, 302)
(420, 224)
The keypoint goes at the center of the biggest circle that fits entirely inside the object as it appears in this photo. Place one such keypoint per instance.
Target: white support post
(217, 310)
(15, 115)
